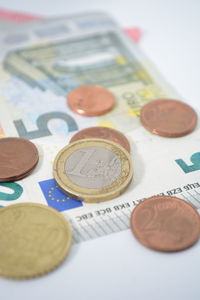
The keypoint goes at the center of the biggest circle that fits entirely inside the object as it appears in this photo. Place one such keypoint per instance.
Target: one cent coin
(18, 158)
(93, 170)
(169, 118)
(165, 223)
(91, 100)
(103, 133)
(34, 239)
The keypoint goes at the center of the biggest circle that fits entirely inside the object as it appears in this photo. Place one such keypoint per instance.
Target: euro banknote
(40, 64)
(54, 56)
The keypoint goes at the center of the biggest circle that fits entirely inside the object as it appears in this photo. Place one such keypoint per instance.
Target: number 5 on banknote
(42, 125)
(16, 189)
(195, 166)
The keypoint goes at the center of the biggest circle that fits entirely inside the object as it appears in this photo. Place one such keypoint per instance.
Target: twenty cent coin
(165, 223)
(91, 100)
(169, 118)
(18, 157)
(93, 170)
(103, 133)
(34, 239)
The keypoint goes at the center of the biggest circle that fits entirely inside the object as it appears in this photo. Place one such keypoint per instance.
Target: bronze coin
(18, 157)
(16, 178)
(165, 223)
(169, 118)
(102, 133)
(34, 240)
(91, 100)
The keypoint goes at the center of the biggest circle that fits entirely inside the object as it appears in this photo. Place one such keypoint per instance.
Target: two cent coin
(34, 239)
(91, 100)
(18, 158)
(169, 118)
(165, 223)
(93, 170)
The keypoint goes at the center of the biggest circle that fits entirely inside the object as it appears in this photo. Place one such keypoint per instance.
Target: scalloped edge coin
(41, 270)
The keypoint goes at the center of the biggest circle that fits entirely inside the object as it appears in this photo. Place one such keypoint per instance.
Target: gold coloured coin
(93, 170)
(34, 239)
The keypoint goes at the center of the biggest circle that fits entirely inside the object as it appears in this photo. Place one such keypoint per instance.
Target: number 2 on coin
(149, 217)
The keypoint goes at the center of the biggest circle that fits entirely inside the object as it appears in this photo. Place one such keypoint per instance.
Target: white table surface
(117, 267)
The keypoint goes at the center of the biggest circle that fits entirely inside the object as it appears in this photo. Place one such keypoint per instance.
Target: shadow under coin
(138, 167)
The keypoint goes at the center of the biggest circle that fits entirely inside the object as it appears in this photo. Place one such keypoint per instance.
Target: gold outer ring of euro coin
(93, 170)
(34, 239)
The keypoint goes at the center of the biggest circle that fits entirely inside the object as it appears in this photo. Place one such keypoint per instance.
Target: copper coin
(18, 157)
(170, 118)
(91, 100)
(165, 223)
(102, 133)
(16, 178)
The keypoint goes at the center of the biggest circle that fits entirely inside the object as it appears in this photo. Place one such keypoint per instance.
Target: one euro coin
(93, 170)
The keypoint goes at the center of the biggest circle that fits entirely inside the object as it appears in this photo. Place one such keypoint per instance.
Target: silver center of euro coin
(93, 167)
